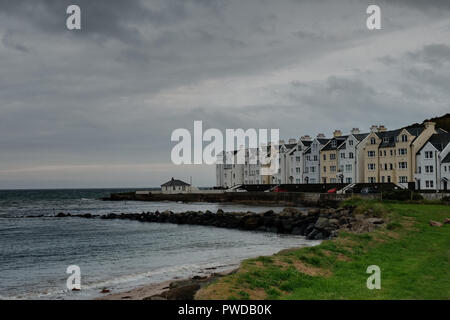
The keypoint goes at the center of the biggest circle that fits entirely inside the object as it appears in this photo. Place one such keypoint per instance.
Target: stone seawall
(254, 198)
(315, 224)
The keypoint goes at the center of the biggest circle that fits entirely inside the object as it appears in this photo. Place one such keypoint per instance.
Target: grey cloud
(10, 41)
(105, 95)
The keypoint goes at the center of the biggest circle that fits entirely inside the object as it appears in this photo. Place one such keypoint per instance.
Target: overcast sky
(96, 107)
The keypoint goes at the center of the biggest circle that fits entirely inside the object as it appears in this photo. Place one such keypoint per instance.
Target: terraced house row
(419, 154)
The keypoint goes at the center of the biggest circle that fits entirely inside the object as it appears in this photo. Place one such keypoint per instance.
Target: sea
(37, 248)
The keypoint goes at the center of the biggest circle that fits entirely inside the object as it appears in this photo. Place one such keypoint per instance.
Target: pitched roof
(306, 143)
(439, 141)
(323, 140)
(446, 159)
(388, 137)
(339, 141)
(175, 182)
(360, 136)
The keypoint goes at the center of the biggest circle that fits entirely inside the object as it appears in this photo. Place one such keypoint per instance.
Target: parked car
(278, 189)
(334, 190)
(368, 190)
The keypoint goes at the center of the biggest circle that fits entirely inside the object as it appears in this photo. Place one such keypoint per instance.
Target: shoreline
(174, 289)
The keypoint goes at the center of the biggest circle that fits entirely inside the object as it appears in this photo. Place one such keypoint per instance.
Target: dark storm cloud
(111, 94)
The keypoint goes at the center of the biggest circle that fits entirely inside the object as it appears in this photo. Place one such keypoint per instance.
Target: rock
(182, 293)
(435, 223)
(61, 215)
(220, 211)
(326, 224)
(298, 231)
(104, 290)
(447, 221)
(75, 289)
(199, 278)
(375, 220)
(313, 211)
(289, 212)
(268, 213)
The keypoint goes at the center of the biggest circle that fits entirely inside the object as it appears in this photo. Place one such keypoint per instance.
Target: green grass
(414, 259)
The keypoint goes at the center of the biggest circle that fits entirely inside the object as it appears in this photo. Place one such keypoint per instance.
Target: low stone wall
(255, 198)
(434, 196)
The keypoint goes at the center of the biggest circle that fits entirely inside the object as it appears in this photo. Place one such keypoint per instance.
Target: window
(392, 153)
(372, 180)
(324, 157)
(297, 170)
(429, 169)
(341, 168)
(371, 166)
(333, 143)
(333, 180)
(381, 153)
(385, 166)
(389, 179)
(315, 158)
(384, 153)
(402, 151)
(308, 157)
(404, 138)
(371, 154)
(382, 179)
(403, 179)
(298, 159)
(348, 180)
(428, 154)
(348, 168)
(324, 169)
(402, 165)
(333, 168)
(391, 167)
(350, 142)
(385, 139)
(332, 156)
(350, 155)
(373, 141)
(342, 155)
(429, 183)
(419, 169)
(313, 169)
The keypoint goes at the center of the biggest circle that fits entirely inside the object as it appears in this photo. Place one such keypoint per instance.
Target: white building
(312, 159)
(350, 155)
(433, 163)
(296, 159)
(175, 186)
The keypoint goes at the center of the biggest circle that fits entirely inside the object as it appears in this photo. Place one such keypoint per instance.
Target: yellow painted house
(329, 161)
(390, 156)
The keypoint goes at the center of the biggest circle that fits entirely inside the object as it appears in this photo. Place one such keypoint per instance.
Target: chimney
(306, 138)
(382, 128)
(281, 142)
(337, 133)
(429, 124)
(320, 136)
(292, 140)
(355, 131)
(374, 128)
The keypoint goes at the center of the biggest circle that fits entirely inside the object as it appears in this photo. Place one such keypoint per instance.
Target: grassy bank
(414, 259)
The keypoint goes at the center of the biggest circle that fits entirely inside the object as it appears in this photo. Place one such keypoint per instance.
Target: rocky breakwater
(314, 224)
